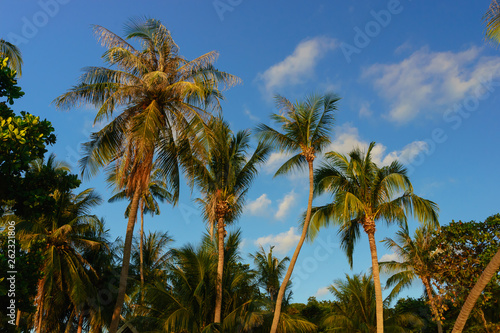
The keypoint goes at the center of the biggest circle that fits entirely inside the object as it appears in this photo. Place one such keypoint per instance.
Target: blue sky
(417, 77)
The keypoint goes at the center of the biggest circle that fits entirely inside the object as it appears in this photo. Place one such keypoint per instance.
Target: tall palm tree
(305, 132)
(67, 277)
(156, 191)
(415, 255)
(223, 173)
(159, 94)
(269, 271)
(363, 194)
(9, 50)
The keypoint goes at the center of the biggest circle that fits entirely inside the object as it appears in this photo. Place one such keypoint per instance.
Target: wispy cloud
(391, 257)
(250, 115)
(347, 138)
(282, 242)
(285, 204)
(297, 67)
(431, 82)
(274, 161)
(259, 206)
(322, 292)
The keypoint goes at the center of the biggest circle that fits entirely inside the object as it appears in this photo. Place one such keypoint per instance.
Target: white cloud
(285, 204)
(431, 82)
(275, 161)
(391, 257)
(347, 138)
(322, 292)
(365, 110)
(250, 115)
(282, 242)
(259, 206)
(298, 66)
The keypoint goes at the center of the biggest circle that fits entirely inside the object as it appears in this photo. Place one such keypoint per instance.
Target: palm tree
(415, 255)
(186, 303)
(305, 132)
(159, 94)
(269, 271)
(9, 50)
(354, 309)
(156, 190)
(363, 194)
(223, 172)
(67, 277)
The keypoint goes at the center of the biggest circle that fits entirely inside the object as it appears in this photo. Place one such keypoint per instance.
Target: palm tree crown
(305, 131)
(362, 194)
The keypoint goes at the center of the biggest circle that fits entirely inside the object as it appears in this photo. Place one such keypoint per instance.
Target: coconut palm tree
(305, 132)
(9, 50)
(269, 271)
(363, 194)
(415, 255)
(158, 94)
(67, 277)
(223, 173)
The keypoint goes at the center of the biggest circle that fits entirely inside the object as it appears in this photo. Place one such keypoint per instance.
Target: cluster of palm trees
(164, 122)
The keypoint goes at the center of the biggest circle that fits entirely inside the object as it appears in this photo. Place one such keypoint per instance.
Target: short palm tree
(415, 255)
(159, 94)
(156, 191)
(67, 277)
(354, 308)
(305, 131)
(9, 50)
(363, 194)
(269, 271)
(223, 172)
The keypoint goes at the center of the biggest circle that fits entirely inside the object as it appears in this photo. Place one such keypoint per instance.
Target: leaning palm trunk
(370, 230)
(127, 249)
(220, 271)
(476, 291)
(281, 293)
(432, 301)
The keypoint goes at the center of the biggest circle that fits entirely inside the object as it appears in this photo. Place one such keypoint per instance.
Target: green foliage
(23, 139)
(469, 245)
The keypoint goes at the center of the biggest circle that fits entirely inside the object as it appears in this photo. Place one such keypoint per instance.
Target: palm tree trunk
(434, 309)
(127, 249)
(476, 291)
(281, 293)
(376, 279)
(80, 323)
(220, 271)
(18, 317)
(39, 311)
(141, 253)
